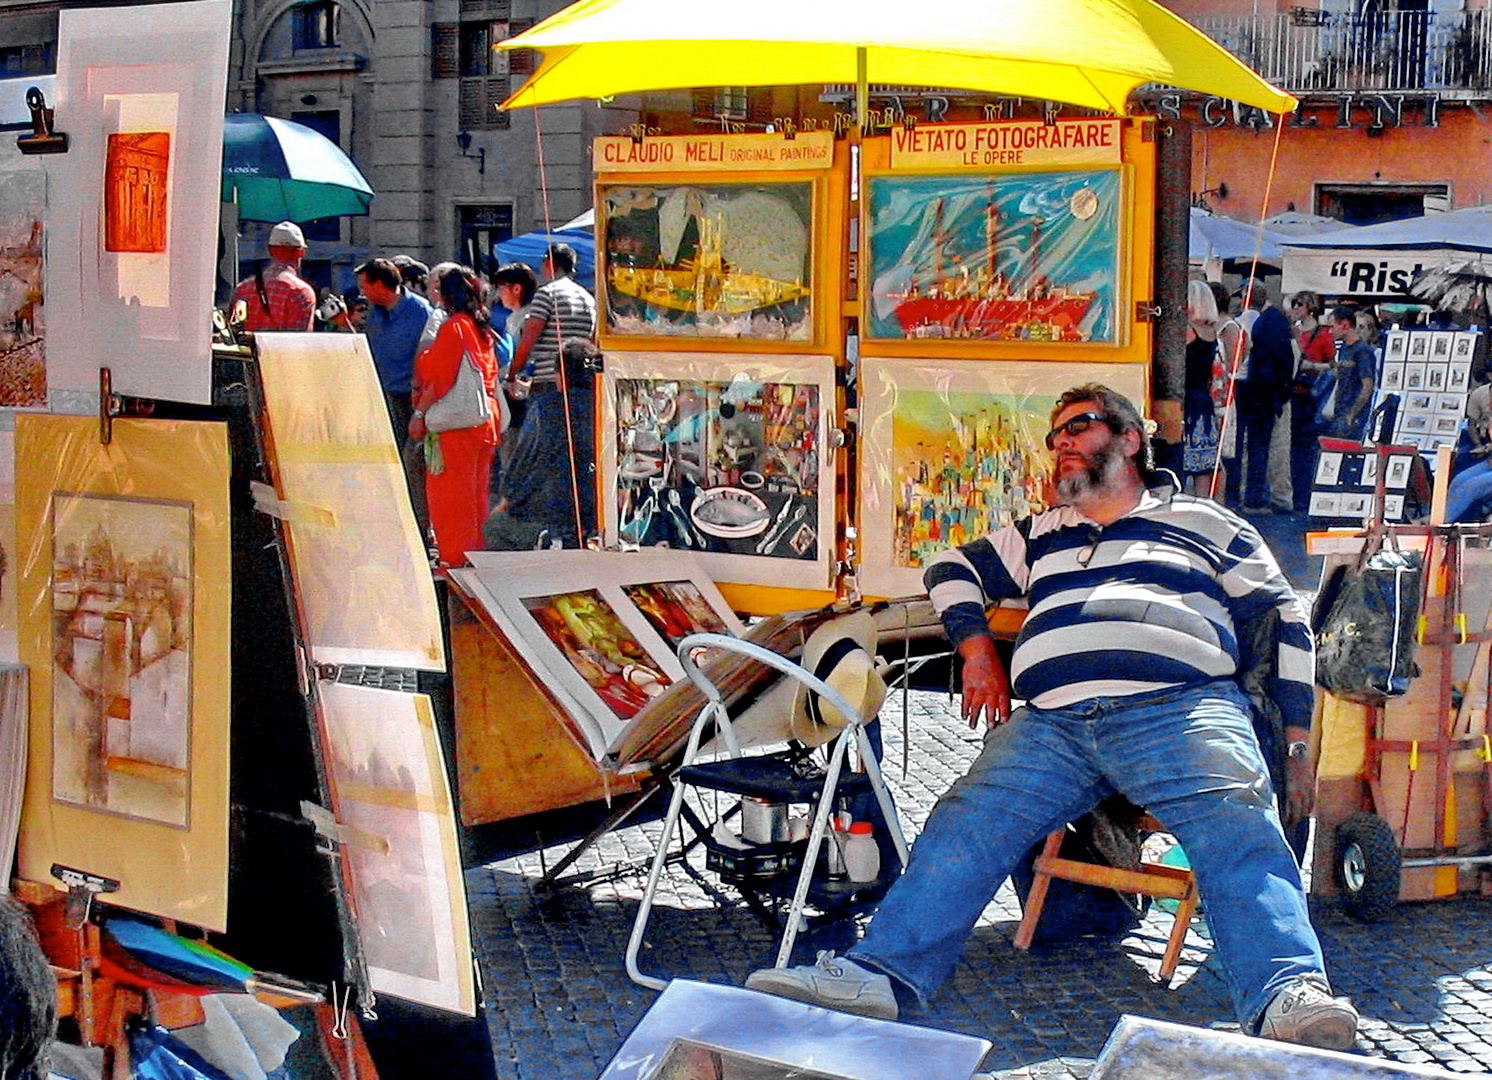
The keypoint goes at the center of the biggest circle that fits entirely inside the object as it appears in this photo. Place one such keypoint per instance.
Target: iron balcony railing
(1308, 50)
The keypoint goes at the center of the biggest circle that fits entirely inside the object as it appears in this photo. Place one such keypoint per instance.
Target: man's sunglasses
(1075, 426)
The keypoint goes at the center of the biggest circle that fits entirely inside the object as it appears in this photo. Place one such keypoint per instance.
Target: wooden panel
(1337, 799)
(515, 753)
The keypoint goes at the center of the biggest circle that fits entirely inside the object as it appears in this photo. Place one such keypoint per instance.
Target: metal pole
(862, 89)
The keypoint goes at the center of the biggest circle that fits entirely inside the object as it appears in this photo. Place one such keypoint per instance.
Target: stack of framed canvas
(365, 597)
(600, 629)
(1430, 371)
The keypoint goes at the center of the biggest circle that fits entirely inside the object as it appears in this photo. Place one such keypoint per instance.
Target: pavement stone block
(553, 964)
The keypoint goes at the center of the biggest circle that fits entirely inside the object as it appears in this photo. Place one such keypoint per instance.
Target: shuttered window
(521, 61)
(479, 100)
(466, 51)
(445, 50)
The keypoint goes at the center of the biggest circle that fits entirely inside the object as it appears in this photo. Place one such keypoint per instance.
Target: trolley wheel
(1368, 865)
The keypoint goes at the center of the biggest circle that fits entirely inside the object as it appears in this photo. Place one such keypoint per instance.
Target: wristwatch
(1298, 750)
(418, 414)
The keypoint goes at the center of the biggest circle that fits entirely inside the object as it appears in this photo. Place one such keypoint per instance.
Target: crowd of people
(1263, 384)
(497, 480)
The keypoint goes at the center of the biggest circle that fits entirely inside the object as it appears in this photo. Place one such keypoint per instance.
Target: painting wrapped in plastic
(1011, 257)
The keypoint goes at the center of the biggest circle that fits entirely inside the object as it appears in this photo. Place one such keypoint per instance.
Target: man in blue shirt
(396, 317)
(1357, 375)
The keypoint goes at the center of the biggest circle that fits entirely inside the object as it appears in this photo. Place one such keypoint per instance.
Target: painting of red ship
(1029, 257)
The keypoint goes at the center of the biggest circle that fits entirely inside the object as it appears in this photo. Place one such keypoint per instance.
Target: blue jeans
(1470, 493)
(1188, 755)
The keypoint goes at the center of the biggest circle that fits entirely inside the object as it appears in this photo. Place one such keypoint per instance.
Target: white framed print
(725, 456)
(1328, 468)
(1396, 475)
(140, 93)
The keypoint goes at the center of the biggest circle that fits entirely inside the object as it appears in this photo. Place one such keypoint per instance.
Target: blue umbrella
(283, 171)
(1224, 238)
(531, 248)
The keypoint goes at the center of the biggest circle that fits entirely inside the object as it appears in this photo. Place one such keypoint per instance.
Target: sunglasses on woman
(1074, 426)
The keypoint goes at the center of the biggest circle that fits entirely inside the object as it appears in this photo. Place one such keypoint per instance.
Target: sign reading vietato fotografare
(1007, 144)
(713, 153)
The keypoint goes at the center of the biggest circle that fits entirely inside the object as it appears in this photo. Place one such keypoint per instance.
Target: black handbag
(1365, 619)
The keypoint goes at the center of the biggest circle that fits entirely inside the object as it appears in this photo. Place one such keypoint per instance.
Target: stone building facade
(408, 88)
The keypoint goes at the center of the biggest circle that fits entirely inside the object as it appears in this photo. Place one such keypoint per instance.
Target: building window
(467, 51)
(478, 56)
(19, 60)
(329, 123)
(730, 102)
(1368, 204)
(318, 25)
(479, 230)
(735, 105)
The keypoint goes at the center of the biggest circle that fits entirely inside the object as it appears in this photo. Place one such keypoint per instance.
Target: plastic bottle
(834, 843)
(862, 858)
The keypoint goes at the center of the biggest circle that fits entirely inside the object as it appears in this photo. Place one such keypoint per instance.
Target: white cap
(287, 234)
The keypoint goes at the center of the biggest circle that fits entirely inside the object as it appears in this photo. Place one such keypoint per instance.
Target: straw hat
(841, 652)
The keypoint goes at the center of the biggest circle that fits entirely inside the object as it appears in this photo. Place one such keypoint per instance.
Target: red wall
(1458, 152)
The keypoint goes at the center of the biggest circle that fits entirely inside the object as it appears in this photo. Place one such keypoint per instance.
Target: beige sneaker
(833, 982)
(1305, 1012)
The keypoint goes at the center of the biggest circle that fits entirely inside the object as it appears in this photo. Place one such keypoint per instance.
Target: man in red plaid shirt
(278, 298)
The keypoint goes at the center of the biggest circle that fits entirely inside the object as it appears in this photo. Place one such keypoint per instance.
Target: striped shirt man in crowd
(560, 311)
(1127, 667)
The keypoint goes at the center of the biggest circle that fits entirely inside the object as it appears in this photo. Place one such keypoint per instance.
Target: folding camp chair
(767, 776)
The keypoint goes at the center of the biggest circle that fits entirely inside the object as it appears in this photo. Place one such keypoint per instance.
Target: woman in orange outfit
(458, 462)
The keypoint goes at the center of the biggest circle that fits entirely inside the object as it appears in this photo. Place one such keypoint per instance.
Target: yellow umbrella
(1084, 52)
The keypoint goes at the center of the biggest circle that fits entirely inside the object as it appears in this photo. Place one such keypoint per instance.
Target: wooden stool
(1151, 879)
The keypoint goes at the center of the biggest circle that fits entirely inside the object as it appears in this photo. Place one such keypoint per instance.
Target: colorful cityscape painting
(965, 464)
(953, 450)
(1007, 257)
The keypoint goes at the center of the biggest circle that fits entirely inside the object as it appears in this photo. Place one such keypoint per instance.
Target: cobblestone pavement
(559, 1002)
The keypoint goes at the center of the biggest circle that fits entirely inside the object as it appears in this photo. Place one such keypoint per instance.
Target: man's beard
(1105, 467)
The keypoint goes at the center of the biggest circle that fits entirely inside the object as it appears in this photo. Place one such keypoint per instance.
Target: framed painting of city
(724, 456)
(389, 788)
(360, 571)
(123, 620)
(600, 628)
(952, 450)
(122, 655)
(706, 260)
(1028, 257)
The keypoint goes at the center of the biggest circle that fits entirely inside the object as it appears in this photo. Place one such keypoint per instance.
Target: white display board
(131, 249)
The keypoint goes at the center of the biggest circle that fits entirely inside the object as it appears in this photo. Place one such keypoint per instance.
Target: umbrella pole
(862, 90)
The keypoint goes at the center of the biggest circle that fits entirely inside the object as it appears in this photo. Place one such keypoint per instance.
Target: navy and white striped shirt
(1147, 602)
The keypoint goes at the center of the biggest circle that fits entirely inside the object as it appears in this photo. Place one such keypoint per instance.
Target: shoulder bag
(465, 404)
(1368, 613)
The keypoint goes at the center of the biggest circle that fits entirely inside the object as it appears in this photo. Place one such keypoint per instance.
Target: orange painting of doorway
(136, 179)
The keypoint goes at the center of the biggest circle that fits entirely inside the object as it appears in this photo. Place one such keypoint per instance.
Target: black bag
(1365, 620)
(1075, 910)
